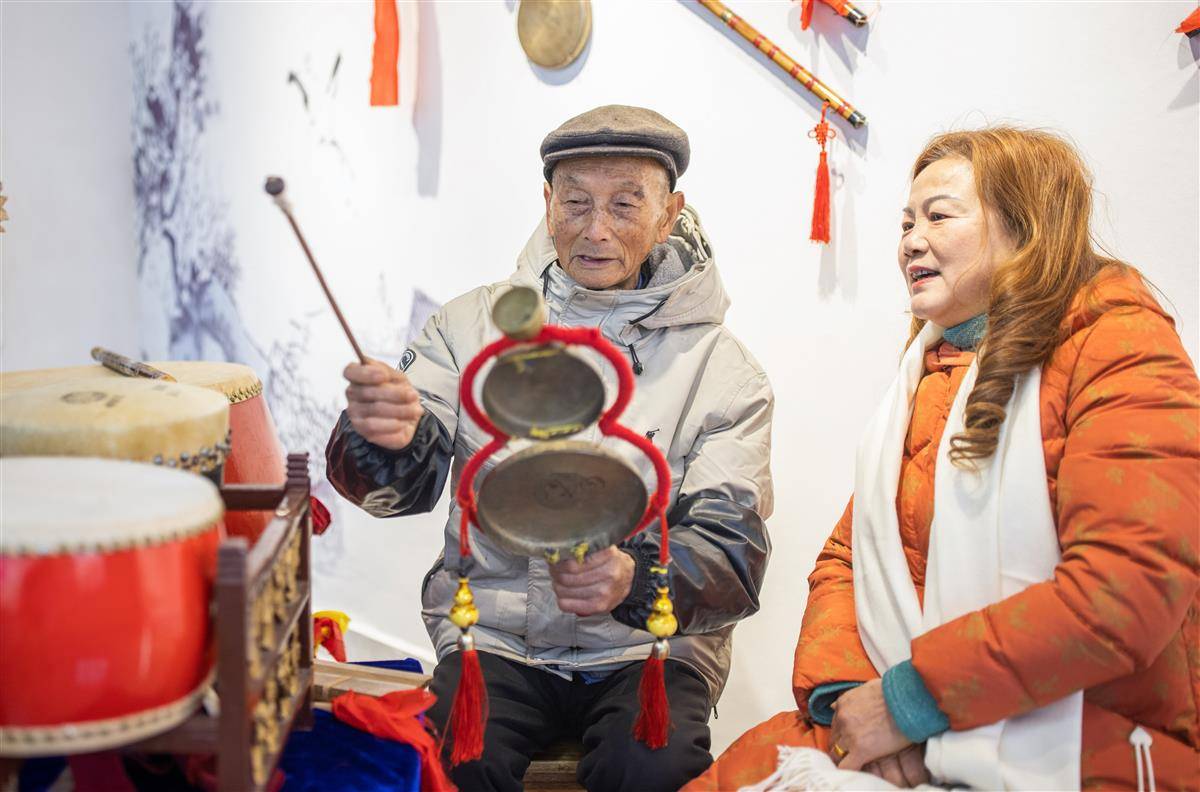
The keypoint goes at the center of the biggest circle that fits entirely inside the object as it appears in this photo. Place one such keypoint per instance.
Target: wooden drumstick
(128, 366)
(274, 188)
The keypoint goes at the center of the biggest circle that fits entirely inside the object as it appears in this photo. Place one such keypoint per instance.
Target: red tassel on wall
(822, 133)
(385, 81)
(468, 714)
(806, 9)
(654, 719)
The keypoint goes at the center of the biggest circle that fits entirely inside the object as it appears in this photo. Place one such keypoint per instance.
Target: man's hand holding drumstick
(383, 406)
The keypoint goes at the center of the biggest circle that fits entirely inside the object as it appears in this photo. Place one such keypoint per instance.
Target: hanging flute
(798, 72)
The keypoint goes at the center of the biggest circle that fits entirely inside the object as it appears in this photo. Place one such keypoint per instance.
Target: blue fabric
(912, 706)
(334, 756)
(39, 774)
(410, 664)
(820, 701)
(967, 335)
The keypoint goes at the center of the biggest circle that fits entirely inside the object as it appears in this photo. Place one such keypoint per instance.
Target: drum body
(255, 454)
(106, 575)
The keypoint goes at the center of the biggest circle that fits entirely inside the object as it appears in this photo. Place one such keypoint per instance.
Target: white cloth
(808, 768)
(993, 534)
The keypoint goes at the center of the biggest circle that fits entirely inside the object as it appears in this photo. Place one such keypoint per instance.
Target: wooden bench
(554, 769)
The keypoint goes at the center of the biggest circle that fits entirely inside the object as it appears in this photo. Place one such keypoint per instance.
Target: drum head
(543, 393)
(58, 505)
(553, 33)
(553, 497)
(118, 418)
(235, 381)
(13, 381)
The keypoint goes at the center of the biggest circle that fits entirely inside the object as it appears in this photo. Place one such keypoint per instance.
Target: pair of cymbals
(558, 496)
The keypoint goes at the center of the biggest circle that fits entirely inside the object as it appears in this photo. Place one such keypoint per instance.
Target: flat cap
(618, 131)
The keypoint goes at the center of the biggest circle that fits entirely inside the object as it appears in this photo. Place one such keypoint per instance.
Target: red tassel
(806, 11)
(655, 717)
(468, 714)
(385, 79)
(820, 218)
(822, 133)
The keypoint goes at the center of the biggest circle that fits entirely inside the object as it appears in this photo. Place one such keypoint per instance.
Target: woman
(1011, 598)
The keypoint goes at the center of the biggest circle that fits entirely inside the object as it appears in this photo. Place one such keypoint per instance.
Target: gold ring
(839, 750)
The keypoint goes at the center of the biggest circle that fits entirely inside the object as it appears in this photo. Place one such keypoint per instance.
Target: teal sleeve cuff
(912, 706)
(820, 701)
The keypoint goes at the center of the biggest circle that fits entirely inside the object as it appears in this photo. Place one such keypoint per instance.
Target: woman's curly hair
(1036, 182)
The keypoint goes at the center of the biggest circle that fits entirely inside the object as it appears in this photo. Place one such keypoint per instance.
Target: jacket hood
(684, 287)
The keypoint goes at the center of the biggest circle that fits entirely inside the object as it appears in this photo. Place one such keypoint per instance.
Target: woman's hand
(863, 730)
(905, 769)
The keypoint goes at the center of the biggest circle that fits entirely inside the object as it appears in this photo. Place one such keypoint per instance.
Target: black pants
(530, 709)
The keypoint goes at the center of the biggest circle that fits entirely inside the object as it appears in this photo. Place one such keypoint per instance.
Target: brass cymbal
(553, 33)
(542, 392)
(559, 498)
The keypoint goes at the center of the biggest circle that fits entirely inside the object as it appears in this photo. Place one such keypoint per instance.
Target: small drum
(255, 454)
(106, 574)
(163, 423)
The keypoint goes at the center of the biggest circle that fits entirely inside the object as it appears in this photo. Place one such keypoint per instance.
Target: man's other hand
(597, 585)
(382, 404)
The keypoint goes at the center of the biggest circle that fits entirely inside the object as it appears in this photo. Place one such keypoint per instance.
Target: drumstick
(128, 366)
(274, 188)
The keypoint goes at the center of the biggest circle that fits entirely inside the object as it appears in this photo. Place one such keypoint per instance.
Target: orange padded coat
(1120, 416)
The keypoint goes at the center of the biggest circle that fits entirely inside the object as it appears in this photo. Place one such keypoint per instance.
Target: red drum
(255, 455)
(106, 575)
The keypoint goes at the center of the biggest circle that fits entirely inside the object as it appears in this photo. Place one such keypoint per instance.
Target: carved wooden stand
(263, 618)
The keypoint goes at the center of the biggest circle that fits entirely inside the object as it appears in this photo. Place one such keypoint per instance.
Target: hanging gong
(561, 497)
(542, 392)
(553, 33)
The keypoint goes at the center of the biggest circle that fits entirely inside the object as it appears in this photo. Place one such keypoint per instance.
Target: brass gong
(542, 392)
(563, 496)
(553, 33)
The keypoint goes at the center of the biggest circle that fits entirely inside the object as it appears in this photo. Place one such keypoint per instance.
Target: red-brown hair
(1036, 182)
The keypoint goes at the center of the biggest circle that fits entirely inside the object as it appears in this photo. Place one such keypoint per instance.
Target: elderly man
(561, 644)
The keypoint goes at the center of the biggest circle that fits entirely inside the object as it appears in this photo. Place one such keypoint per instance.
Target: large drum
(255, 454)
(106, 574)
(163, 423)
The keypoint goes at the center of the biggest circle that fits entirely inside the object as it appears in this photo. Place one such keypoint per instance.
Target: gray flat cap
(618, 131)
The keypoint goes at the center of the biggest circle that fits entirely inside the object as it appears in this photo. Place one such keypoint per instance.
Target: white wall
(68, 252)
(441, 192)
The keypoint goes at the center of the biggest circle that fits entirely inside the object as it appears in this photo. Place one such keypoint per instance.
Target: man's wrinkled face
(605, 214)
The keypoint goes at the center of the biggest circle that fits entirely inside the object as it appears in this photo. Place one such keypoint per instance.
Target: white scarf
(993, 534)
